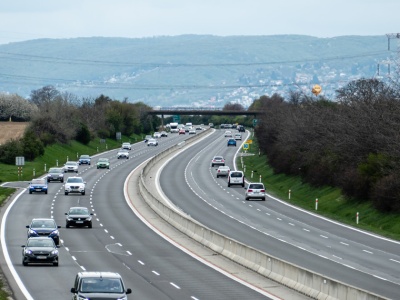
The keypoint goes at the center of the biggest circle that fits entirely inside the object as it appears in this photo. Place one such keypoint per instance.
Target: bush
(83, 135)
(9, 151)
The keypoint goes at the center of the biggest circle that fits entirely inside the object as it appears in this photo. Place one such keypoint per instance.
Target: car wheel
(263, 199)
(90, 225)
(55, 264)
(30, 192)
(217, 176)
(83, 193)
(62, 180)
(76, 171)
(24, 262)
(45, 192)
(247, 199)
(66, 225)
(66, 193)
(229, 184)
(243, 184)
(57, 241)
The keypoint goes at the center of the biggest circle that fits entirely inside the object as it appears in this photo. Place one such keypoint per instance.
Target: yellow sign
(249, 141)
(246, 146)
(316, 90)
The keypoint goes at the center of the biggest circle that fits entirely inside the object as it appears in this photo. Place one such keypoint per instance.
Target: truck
(173, 127)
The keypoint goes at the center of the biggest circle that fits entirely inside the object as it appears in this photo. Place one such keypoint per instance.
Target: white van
(236, 177)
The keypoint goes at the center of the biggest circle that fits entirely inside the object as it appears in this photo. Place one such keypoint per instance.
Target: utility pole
(396, 60)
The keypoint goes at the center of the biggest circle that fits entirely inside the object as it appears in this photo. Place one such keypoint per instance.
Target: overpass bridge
(202, 111)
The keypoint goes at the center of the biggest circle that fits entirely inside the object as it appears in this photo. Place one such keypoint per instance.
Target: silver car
(255, 190)
(223, 171)
(71, 166)
(123, 153)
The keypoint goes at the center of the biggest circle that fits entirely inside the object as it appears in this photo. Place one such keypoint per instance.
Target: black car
(55, 174)
(241, 128)
(44, 228)
(78, 216)
(40, 250)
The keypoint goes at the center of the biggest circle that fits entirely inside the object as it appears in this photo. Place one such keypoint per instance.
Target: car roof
(99, 274)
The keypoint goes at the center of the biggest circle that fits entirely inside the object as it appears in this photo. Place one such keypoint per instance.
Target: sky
(22, 20)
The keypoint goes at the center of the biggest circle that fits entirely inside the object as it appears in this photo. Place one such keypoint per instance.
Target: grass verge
(331, 202)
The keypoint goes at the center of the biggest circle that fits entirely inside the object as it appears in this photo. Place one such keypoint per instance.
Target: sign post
(19, 162)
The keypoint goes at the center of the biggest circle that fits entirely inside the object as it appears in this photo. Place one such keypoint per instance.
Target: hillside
(188, 69)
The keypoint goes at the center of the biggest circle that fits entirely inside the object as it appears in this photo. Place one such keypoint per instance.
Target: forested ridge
(352, 142)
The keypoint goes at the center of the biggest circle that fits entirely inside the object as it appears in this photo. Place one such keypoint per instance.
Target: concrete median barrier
(304, 281)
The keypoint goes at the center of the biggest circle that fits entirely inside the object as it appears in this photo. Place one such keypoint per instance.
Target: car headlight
(54, 252)
(32, 232)
(55, 232)
(27, 251)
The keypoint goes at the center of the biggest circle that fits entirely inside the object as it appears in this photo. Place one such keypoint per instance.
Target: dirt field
(9, 130)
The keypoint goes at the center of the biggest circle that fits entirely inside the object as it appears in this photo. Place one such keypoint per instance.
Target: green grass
(57, 154)
(331, 202)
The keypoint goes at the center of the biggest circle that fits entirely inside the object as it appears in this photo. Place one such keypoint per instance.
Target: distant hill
(198, 70)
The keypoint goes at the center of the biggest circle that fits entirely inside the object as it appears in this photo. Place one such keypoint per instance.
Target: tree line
(352, 143)
(56, 117)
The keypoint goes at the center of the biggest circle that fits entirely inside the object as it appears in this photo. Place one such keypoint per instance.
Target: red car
(181, 131)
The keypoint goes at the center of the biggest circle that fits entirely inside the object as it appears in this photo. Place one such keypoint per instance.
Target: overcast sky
(22, 20)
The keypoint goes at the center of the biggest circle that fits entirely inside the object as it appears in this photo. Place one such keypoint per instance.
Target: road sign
(246, 146)
(249, 142)
(255, 122)
(176, 118)
(19, 160)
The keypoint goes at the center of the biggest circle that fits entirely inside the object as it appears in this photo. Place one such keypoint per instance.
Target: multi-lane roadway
(119, 241)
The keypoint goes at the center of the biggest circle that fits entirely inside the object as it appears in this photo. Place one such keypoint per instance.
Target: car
(40, 250)
(44, 227)
(164, 134)
(156, 135)
(181, 131)
(217, 161)
(192, 131)
(228, 133)
(255, 190)
(38, 186)
(84, 159)
(103, 163)
(71, 166)
(199, 128)
(238, 136)
(236, 177)
(55, 174)
(74, 184)
(152, 142)
(99, 285)
(147, 137)
(241, 128)
(231, 142)
(78, 216)
(211, 125)
(223, 171)
(126, 146)
(123, 153)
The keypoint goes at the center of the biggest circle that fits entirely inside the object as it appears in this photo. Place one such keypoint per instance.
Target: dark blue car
(84, 159)
(231, 142)
(38, 186)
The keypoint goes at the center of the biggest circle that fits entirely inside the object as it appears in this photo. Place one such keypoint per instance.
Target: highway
(339, 252)
(119, 241)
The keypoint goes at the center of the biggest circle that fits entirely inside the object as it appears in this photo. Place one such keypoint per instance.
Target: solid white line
(174, 285)
(395, 260)
(344, 244)
(368, 251)
(5, 249)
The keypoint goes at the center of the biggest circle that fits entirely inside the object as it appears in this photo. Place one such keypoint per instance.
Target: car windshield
(101, 285)
(218, 158)
(85, 156)
(74, 180)
(103, 160)
(55, 170)
(236, 174)
(256, 186)
(40, 243)
(78, 211)
(43, 224)
(70, 163)
(38, 181)
(224, 168)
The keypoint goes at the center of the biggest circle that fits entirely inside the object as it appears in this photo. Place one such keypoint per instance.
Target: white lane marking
(368, 251)
(395, 260)
(158, 274)
(323, 236)
(306, 230)
(344, 244)
(291, 224)
(174, 285)
(73, 257)
(140, 262)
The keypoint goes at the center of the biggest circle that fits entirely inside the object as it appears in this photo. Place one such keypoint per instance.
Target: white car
(71, 166)
(156, 135)
(238, 136)
(255, 190)
(192, 131)
(74, 184)
(126, 146)
(152, 142)
(223, 171)
(236, 177)
(123, 153)
(228, 133)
